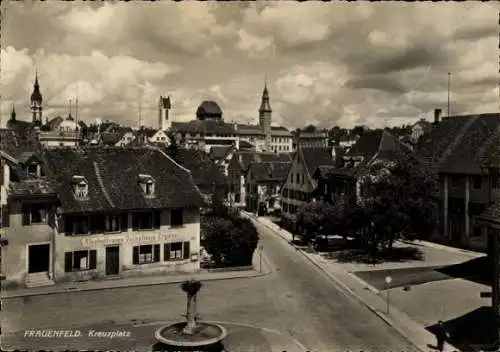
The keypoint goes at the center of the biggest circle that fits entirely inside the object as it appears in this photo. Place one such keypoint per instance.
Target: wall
(190, 231)
(306, 186)
(14, 254)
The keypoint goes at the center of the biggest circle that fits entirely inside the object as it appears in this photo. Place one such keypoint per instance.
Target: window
(113, 223)
(76, 225)
(80, 260)
(456, 182)
(494, 182)
(80, 187)
(146, 254)
(147, 185)
(477, 231)
(176, 217)
(477, 182)
(176, 251)
(32, 170)
(291, 178)
(146, 220)
(97, 223)
(34, 214)
(297, 178)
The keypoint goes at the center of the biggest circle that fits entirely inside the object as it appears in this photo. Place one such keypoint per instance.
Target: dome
(68, 125)
(210, 109)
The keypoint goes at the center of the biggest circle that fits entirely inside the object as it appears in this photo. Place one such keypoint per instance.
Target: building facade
(113, 212)
(453, 150)
(313, 139)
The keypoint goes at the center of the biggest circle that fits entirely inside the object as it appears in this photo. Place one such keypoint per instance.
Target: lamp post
(388, 281)
(261, 247)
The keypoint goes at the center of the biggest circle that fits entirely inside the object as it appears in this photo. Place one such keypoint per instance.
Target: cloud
(335, 63)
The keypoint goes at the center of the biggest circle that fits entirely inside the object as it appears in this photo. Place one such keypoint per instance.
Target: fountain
(190, 335)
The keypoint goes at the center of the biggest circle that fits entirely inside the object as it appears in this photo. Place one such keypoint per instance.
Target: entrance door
(112, 260)
(456, 227)
(38, 258)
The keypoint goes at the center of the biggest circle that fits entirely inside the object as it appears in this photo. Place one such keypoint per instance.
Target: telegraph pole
(449, 91)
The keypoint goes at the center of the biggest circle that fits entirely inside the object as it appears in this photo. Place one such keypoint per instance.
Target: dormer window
(147, 184)
(80, 187)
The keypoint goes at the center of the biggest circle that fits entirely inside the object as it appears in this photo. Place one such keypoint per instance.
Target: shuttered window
(80, 260)
(146, 254)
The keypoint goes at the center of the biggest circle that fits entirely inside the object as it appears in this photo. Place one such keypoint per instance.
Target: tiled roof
(315, 157)
(111, 172)
(20, 137)
(467, 154)
(218, 152)
(280, 131)
(253, 130)
(492, 213)
(32, 187)
(243, 158)
(246, 145)
(323, 171)
(204, 127)
(204, 171)
(269, 171)
(432, 148)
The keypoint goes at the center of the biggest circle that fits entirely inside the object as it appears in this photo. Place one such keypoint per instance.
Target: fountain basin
(205, 335)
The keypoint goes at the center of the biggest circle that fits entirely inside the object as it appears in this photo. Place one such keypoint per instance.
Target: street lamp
(261, 247)
(388, 281)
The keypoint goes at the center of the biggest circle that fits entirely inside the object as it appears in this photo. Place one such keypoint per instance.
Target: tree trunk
(190, 315)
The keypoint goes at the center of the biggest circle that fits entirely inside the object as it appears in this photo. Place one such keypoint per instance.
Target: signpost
(388, 281)
(261, 247)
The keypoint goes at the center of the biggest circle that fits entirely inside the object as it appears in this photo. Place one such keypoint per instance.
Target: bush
(231, 240)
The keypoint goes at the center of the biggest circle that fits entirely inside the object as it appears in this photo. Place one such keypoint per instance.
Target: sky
(340, 63)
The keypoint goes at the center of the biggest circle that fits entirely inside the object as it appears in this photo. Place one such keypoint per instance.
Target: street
(297, 299)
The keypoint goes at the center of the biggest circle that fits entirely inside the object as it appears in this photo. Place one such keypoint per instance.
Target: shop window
(146, 254)
(176, 217)
(34, 214)
(80, 260)
(176, 251)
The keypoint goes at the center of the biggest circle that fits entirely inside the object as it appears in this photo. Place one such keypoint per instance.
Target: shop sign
(105, 240)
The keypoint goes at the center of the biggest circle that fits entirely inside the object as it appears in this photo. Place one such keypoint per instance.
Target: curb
(442, 247)
(266, 271)
(348, 290)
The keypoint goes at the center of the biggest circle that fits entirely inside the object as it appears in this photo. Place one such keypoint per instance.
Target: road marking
(272, 331)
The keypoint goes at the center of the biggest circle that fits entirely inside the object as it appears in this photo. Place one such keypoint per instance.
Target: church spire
(265, 105)
(36, 96)
(13, 113)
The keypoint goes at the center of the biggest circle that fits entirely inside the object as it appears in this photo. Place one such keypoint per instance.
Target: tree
(321, 218)
(231, 240)
(309, 128)
(399, 201)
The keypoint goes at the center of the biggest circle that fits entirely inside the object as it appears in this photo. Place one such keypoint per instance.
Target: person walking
(441, 335)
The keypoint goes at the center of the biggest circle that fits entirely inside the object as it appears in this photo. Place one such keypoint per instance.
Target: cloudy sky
(326, 63)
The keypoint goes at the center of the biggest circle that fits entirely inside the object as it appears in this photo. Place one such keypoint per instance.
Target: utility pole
(449, 91)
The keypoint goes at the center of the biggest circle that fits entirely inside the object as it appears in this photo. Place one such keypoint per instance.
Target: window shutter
(5, 216)
(124, 221)
(156, 253)
(93, 260)
(68, 262)
(157, 219)
(166, 252)
(135, 255)
(26, 215)
(186, 250)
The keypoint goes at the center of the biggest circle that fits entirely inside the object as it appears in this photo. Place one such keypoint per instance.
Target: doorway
(38, 258)
(112, 260)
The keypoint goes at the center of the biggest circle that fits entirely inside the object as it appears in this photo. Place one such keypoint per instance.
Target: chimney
(437, 116)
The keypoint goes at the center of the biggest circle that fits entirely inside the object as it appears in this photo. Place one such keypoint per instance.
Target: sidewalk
(202, 275)
(401, 322)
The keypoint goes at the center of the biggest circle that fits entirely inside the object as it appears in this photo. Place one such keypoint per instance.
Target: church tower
(265, 112)
(164, 105)
(36, 102)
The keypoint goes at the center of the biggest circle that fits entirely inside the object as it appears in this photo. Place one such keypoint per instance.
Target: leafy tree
(309, 128)
(231, 240)
(399, 201)
(358, 130)
(321, 218)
